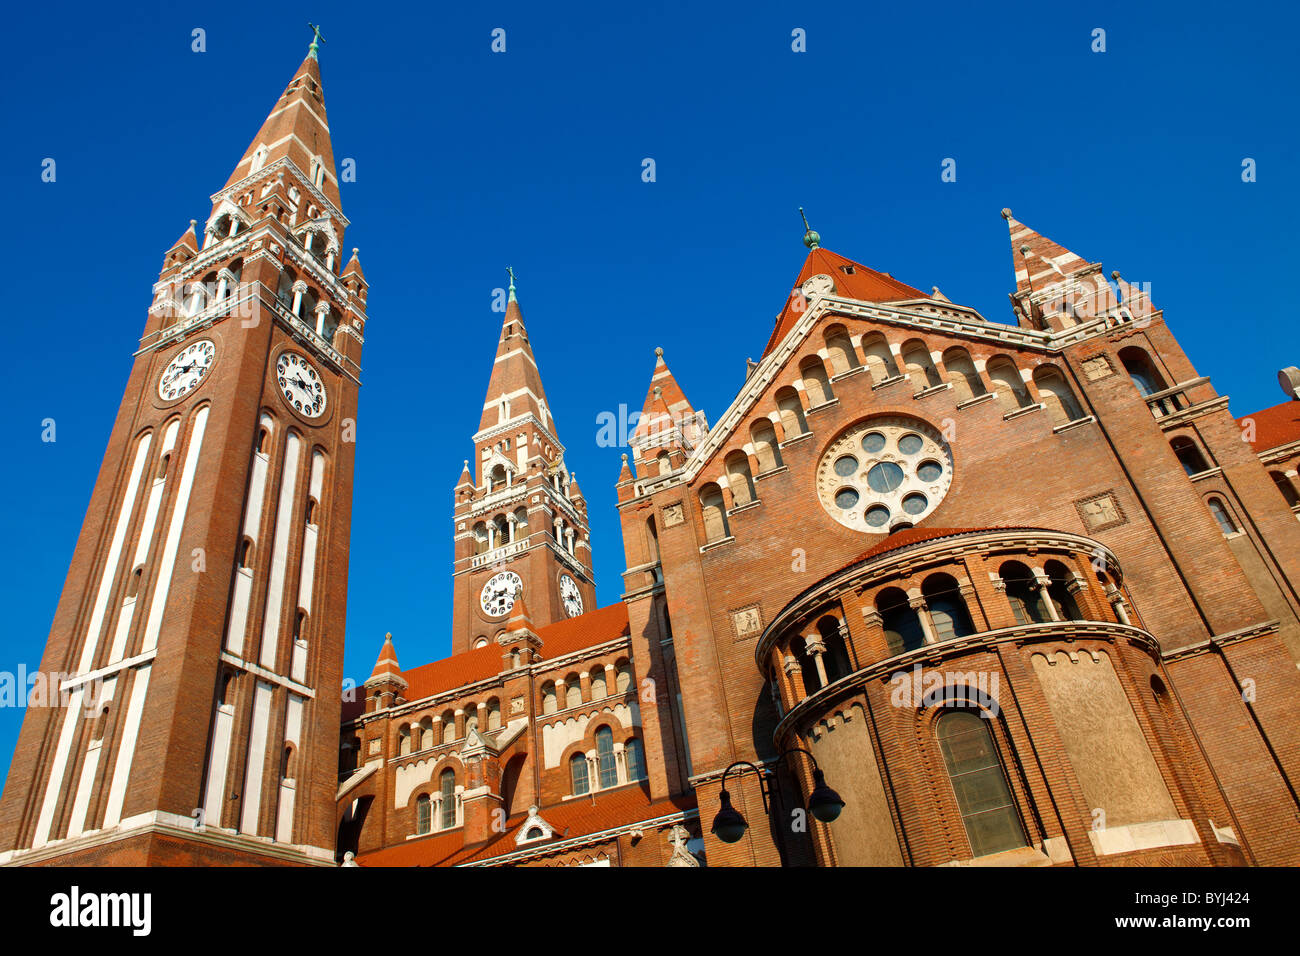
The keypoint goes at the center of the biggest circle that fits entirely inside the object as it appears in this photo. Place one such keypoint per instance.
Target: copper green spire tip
(810, 238)
(512, 283)
(316, 41)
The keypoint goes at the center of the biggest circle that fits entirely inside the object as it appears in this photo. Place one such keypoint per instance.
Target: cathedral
(933, 590)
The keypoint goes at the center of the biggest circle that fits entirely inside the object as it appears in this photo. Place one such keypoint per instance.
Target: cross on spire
(316, 40)
(512, 282)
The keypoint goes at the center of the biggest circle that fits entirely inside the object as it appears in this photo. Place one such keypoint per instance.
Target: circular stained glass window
(885, 473)
(873, 442)
(910, 444)
(884, 477)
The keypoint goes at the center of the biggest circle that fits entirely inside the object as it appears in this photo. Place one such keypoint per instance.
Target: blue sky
(468, 161)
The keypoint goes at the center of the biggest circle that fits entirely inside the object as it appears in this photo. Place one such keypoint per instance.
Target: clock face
(186, 370)
(570, 596)
(300, 384)
(498, 595)
(818, 285)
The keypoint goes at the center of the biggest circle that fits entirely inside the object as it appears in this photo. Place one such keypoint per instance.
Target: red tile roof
(863, 283)
(563, 637)
(570, 820)
(1279, 425)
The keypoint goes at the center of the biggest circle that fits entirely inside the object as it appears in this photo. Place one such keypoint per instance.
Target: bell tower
(520, 518)
(196, 652)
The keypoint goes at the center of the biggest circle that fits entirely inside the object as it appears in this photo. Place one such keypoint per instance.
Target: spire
(1037, 260)
(665, 403)
(386, 666)
(316, 40)
(297, 129)
(849, 279)
(189, 238)
(515, 386)
(354, 265)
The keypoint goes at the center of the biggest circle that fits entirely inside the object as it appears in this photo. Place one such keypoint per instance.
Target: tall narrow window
(713, 512)
(549, 702)
(608, 771)
(423, 813)
(739, 478)
(578, 774)
(978, 783)
(1023, 593)
(1226, 524)
(792, 420)
(447, 786)
(635, 760)
(901, 623)
(246, 554)
(1189, 456)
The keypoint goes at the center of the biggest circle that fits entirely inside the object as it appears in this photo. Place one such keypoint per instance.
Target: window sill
(932, 390)
(851, 372)
(1085, 420)
(802, 436)
(1208, 473)
(745, 507)
(889, 381)
(1023, 411)
(768, 474)
(717, 544)
(977, 400)
(817, 408)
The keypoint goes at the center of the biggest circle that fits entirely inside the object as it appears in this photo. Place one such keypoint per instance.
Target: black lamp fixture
(824, 804)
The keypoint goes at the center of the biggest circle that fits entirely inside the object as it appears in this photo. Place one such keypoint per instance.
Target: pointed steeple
(668, 422)
(849, 279)
(515, 386)
(297, 129)
(1038, 261)
(354, 266)
(386, 665)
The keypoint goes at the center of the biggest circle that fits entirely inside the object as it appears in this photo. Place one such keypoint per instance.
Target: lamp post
(824, 804)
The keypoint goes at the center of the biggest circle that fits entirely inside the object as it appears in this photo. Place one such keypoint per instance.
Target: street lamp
(823, 803)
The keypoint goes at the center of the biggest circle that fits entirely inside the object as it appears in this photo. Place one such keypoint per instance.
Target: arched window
(880, 360)
(763, 437)
(572, 691)
(1141, 370)
(133, 586)
(423, 813)
(246, 553)
(966, 382)
(426, 733)
(839, 350)
(606, 769)
(1286, 486)
(599, 689)
(903, 630)
(791, 407)
(448, 727)
(919, 365)
(447, 787)
(652, 540)
(578, 774)
(1056, 395)
(739, 479)
(494, 714)
(1023, 593)
(471, 718)
(521, 523)
(948, 612)
(635, 760)
(1007, 383)
(1059, 593)
(665, 463)
(1221, 515)
(836, 658)
(550, 704)
(978, 782)
(815, 381)
(713, 512)
(623, 678)
(1189, 456)
(403, 740)
(480, 538)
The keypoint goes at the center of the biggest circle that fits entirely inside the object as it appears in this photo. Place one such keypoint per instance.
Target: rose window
(884, 473)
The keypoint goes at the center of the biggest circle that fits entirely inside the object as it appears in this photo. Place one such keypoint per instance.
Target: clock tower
(197, 648)
(520, 518)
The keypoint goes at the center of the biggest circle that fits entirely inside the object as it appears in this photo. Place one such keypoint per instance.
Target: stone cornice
(1263, 629)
